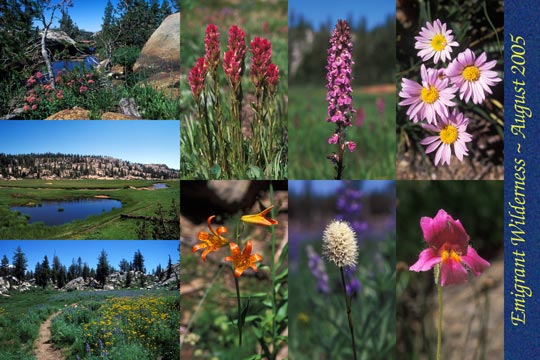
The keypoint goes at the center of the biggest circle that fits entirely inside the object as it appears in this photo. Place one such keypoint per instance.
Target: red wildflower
(262, 54)
(211, 43)
(196, 78)
(233, 60)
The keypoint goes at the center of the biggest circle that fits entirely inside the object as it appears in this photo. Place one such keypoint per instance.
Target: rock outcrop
(161, 53)
(76, 113)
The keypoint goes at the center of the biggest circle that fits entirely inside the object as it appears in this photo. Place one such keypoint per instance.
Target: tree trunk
(46, 57)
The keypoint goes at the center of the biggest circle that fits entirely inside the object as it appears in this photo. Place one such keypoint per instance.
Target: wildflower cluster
(145, 320)
(213, 241)
(339, 76)
(433, 99)
(72, 88)
(241, 259)
(224, 143)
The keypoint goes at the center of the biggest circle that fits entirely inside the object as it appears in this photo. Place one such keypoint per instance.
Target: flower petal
(474, 261)
(452, 272)
(235, 250)
(426, 260)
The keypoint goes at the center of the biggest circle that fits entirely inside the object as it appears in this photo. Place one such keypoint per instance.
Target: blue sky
(142, 141)
(319, 11)
(328, 187)
(154, 251)
(88, 14)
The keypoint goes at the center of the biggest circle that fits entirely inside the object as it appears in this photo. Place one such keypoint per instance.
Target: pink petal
(474, 261)
(452, 272)
(426, 260)
(444, 229)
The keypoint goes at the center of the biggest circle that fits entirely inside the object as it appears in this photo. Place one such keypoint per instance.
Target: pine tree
(169, 268)
(38, 273)
(61, 277)
(129, 277)
(124, 265)
(85, 271)
(57, 265)
(67, 25)
(4, 267)
(46, 270)
(138, 261)
(103, 268)
(19, 264)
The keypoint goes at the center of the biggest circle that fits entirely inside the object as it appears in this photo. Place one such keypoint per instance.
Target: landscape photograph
(89, 180)
(89, 300)
(100, 59)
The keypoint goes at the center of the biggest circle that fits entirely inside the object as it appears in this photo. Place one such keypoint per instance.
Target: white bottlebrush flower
(339, 244)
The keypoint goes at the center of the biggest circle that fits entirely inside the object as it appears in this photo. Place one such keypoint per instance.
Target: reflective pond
(61, 212)
(159, 186)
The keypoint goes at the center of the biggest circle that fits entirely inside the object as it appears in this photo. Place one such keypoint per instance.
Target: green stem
(348, 304)
(239, 322)
(439, 330)
(273, 271)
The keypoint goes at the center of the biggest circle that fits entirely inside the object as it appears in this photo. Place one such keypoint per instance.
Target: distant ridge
(50, 166)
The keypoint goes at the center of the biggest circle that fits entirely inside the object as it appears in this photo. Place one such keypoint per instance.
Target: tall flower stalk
(341, 248)
(228, 153)
(212, 59)
(339, 76)
(234, 65)
(448, 252)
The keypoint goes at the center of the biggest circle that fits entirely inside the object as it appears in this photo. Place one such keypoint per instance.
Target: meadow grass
(374, 157)
(318, 321)
(18, 332)
(108, 225)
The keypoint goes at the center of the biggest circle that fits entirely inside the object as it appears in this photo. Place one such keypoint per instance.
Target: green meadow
(374, 156)
(137, 202)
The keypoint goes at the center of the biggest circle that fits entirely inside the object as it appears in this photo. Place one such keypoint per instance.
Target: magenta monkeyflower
(473, 75)
(448, 246)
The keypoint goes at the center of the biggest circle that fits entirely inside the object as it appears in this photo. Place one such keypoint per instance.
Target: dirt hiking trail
(43, 345)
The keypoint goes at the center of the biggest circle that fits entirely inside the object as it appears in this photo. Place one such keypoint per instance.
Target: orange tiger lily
(242, 260)
(260, 219)
(210, 241)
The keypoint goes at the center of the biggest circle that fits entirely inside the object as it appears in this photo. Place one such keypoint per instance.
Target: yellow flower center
(429, 95)
(449, 254)
(449, 134)
(471, 73)
(438, 42)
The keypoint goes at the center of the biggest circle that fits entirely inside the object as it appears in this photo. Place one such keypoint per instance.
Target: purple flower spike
(352, 284)
(340, 75)
(316, 265)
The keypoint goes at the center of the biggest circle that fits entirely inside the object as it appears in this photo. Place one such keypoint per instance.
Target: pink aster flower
(333, 139)
(448, 246)
(473, 75)
(452, 130)
(435, 42)
(429, 99)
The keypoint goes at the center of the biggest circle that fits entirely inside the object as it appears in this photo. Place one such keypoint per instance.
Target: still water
(61, 212)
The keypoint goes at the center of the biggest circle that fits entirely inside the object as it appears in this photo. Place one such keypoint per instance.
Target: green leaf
(216, 171)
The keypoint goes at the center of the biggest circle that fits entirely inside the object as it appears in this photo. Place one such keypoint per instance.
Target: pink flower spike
(448, 246)
(333, 139)
(351, 145)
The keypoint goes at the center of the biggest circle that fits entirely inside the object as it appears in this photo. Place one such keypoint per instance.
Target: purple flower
(349, 205)
(333, 139)
(340, 75)
(316, 265)
(88, 350)
(429, 99)
(352, 284)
